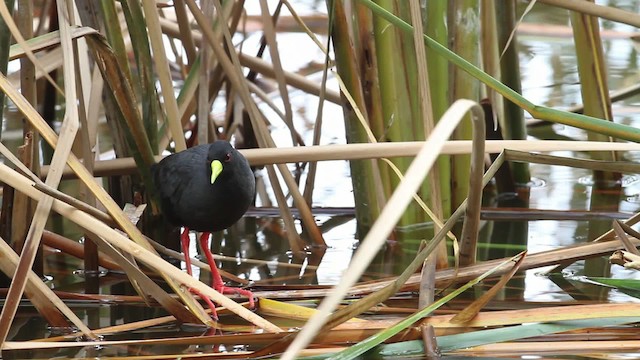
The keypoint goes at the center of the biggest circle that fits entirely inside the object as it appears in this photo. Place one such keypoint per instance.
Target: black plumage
(205, 188)
(189, 199)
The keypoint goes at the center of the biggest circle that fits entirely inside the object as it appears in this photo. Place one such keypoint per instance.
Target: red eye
(227, 158)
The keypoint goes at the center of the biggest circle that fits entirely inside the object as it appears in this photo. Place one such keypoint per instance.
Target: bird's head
(220, 153)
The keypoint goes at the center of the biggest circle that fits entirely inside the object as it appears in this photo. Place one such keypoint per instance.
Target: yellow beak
(216, 169)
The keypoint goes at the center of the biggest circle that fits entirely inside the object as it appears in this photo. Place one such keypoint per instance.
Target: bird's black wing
(172, 178)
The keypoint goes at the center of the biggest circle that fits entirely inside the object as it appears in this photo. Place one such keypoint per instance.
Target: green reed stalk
(436, 28)
(512, 120)
(362, 171)
(464, 25)
(595, 97)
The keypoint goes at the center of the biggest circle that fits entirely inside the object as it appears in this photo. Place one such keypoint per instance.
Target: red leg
(184, 242)
(218, 284)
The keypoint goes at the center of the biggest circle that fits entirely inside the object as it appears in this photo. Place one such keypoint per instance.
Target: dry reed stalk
(41, 295)
(449, 276)
(87, 142)
(333, 337)
(231, 66)
(141, 253)
(22, 211)
(553, 348)
(163, 72)
(605, 12)
(22, 208)
(426, 110)
(317, 124)
(261, 66)
(617, 166)
(282, 155)
(542, 314)
(182, 20)
(68, 132)
(6, 16)
(52, 60)
(203, 105)
(74, 249)
(622, 229)
(269, 34)
(468, 313)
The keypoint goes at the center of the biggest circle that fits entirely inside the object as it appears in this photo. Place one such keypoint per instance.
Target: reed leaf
(469, 312)
(46, 41)
(622, 284)
(449, 344)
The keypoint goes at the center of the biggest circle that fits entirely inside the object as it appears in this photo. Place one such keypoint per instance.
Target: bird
(206, 188)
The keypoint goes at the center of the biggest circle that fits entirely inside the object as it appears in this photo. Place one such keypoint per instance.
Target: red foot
(210, 304)
(217, 282)
(235, 290)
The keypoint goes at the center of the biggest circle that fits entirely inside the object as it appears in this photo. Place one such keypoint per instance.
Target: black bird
(205, 188)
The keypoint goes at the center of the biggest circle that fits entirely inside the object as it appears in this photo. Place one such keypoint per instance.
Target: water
(549, 78)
